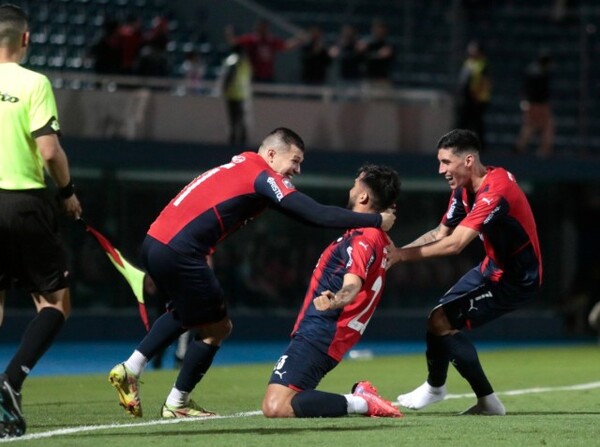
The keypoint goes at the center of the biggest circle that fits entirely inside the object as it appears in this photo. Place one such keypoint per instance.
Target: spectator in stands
(474, 91)
(193, 69)
(261, 47)
(537, 112)
(315, 58)
(130, 43)
(236, 86)
(153, 54)
(348, 55)
(106, 52)
(378, 54)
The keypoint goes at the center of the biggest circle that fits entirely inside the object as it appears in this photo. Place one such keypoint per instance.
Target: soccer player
(180, 240)
(485, 202)
(33, 254)
(330, 323)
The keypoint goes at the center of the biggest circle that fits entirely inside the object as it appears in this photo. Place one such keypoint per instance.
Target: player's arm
(305, 208)
(452, 244)
(431, 236)
(57, 166)
(347, 294)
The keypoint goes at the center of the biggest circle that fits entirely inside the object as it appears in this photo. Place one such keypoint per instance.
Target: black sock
(437, 360)
(319, 404)
(463, 356)
(197, 360)
(38, 337)
(165, 330)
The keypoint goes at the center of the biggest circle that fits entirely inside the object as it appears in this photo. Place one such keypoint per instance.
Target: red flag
(133, 275)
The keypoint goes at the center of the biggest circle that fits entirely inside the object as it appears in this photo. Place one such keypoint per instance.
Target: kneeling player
(329, 323)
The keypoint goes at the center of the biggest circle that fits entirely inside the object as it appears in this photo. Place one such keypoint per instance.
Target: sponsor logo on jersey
(238, 159)
(54, 124)
(275, 187)
(370, 263)
(486, 200)
(491, 215)
(5, 97)
(450, 212)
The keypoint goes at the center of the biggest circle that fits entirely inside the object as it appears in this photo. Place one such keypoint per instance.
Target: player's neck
(8, 55)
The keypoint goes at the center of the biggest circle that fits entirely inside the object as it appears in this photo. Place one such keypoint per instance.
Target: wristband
(66, 191)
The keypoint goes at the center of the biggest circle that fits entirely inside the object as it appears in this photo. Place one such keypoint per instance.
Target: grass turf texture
(557, 418)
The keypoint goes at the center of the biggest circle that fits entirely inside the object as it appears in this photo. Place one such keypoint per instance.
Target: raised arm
(451, 244)
(305, 208)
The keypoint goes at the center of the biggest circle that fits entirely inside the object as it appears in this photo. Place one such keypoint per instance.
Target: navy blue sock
(319, 404)
(197, 360)
(463, 356)
(38, 337)
(437, 360)
(165, 330)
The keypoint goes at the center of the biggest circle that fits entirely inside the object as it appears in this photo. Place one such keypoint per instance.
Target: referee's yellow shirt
(27, 110)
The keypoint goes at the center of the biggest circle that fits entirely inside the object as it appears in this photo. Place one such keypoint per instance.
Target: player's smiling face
(287, 162)
(454, 167)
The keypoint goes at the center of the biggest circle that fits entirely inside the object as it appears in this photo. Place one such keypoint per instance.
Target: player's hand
(324, 301)
(392, 255)
(388, 217)
(72, 207)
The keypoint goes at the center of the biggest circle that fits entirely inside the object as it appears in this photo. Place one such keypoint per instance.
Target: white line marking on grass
(88, 428)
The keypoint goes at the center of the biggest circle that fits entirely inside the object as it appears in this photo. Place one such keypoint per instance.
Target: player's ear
(363, 198)
(25, 39)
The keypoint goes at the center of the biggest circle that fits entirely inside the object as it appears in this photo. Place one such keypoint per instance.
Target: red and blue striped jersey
(218, 202)
(500, 212)
(361, 252)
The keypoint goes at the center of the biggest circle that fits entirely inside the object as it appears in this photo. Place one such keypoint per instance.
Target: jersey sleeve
(456, 211)
(304, 208)
(273, 186)
(43, 115)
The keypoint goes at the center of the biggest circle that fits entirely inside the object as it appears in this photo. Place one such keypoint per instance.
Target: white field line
(89, 428)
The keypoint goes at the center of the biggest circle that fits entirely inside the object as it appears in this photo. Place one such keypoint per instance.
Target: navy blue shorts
(33, 254)
(302, 366)
(475, 300)
(190, 286)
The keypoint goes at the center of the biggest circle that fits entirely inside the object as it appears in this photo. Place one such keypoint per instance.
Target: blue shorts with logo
(475, 300)
(302, 366)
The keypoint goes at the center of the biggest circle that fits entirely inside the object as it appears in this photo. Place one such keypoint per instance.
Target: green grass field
(549, 410)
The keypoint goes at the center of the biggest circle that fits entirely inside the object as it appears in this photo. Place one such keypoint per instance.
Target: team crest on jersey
(288, 184)
(238, 159)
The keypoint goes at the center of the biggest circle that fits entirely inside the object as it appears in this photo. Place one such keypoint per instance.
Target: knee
(272, 407)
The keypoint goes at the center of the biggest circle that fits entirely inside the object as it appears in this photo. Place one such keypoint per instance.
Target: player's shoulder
(374, 237)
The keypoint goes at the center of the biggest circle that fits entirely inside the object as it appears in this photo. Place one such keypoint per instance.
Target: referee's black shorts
(32, 253)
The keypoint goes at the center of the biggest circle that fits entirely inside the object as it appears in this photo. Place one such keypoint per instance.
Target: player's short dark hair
(460, 141)
(13, 22)
(384, 184)
(289, 137)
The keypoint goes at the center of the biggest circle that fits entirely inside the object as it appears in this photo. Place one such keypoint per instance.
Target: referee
(32, 255)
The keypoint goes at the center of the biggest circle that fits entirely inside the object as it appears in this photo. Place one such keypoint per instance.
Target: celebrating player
(177, 245)
(486, 202)
(330, 323)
